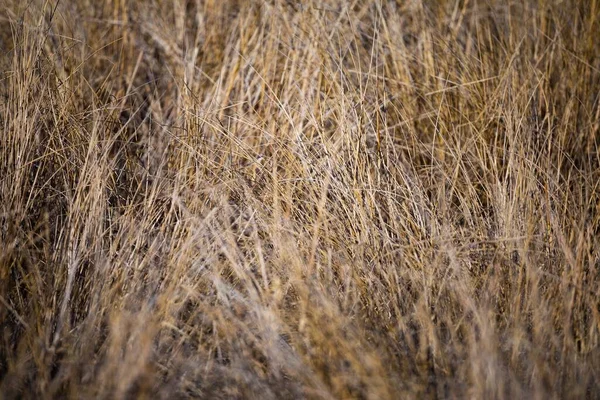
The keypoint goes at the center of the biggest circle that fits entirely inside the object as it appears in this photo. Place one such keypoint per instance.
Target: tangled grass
(276, 199)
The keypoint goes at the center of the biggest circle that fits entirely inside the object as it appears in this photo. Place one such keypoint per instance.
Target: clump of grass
(322, 199)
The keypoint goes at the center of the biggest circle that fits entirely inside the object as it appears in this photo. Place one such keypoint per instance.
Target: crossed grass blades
(277, 199)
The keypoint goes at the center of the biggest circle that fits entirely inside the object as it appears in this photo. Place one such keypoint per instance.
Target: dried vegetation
(278, 199)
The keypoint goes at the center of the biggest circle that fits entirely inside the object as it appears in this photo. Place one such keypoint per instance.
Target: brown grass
(278, 199)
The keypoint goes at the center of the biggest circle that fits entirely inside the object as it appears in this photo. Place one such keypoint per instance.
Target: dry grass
(267, 199)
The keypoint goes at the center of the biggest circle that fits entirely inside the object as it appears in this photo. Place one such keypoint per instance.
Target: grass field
(272, 199)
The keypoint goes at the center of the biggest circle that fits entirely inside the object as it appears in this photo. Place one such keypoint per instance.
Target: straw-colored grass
(271, 199)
